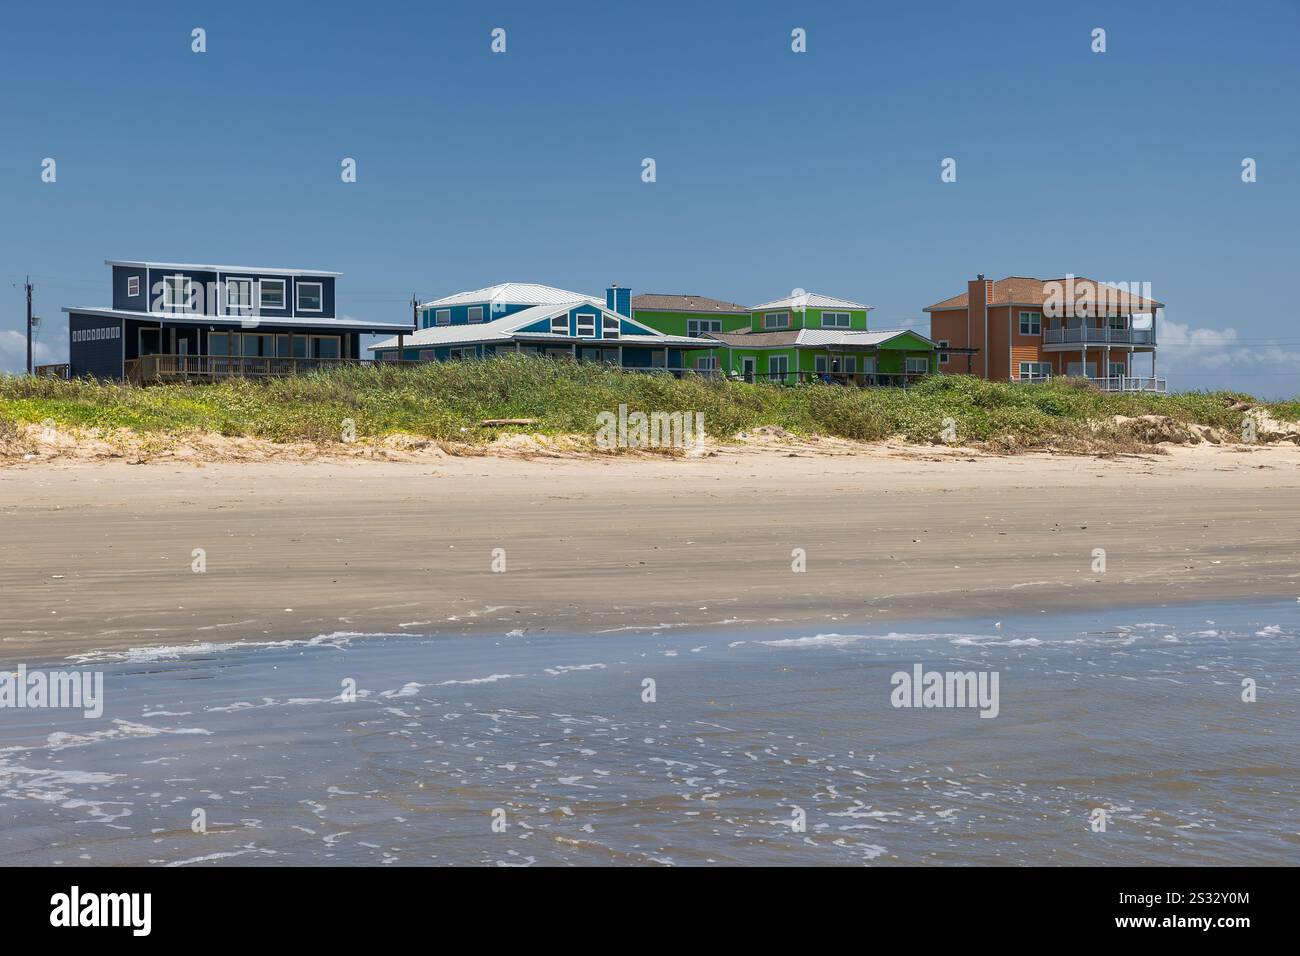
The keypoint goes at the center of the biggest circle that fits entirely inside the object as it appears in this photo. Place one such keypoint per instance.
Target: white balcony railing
(1114, 383)
(1090, 334)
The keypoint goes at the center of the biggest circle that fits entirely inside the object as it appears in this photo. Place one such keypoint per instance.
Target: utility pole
(27, 282)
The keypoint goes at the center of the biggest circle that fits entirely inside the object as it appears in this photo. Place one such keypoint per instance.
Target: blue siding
(95, 345)
(136, 303)
(619, 300)
(460, 313)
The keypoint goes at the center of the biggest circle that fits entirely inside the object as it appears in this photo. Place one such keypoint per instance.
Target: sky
(774, 170)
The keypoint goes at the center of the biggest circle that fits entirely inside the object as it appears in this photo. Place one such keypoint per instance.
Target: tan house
(1026, 329)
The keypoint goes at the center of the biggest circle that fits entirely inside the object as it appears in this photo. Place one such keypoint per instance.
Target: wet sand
(100, 555)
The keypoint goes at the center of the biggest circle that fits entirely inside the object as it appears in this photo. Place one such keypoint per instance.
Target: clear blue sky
(775, 170)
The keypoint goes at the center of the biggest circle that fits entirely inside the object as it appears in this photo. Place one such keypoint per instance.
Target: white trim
(284, 295)
(848, 319)
(201, 267)
(129, 293)
(229, 283)
(469, 314)
(562, 321)
(587, 322)
(776, 315)
(1020, 322)
(297, 294)
(605, 329)
(943, 356)
(438, 317)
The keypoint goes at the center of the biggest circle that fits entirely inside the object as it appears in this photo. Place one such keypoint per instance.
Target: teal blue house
(529, 319)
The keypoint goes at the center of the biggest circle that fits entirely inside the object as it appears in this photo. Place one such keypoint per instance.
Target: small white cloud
(13, 352)
(1187, 350)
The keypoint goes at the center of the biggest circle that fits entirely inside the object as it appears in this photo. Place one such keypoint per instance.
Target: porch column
(1107, 375)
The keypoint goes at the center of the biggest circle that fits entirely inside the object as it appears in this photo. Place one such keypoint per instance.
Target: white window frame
(442, 316)
(239, 308)
(773, 373)
(132, 282)
(462, 352)
(169, 292)
(943, 356)
(609, 327)
(782, 320)
(1034, 320)
(560, 324)
(1038, 371)
(821, 363)
(586, 326)
(697, 327)
(297, 295)
(846, 316)
(1118, 370)
(475, 314)
(262, 288)
(908, 368)
(706, 363)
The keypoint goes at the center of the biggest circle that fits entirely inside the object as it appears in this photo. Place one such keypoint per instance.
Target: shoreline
(99, 554)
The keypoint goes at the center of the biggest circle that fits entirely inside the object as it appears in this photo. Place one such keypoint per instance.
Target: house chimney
(619, 300)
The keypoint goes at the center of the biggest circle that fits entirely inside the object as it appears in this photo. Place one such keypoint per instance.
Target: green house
(812, 337)
(690, 315)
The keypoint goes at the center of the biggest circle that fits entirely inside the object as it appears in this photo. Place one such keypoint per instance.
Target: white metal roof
(514, 293)
(847, 337)
(505, 328)
(247, 321)
(810, 300)
(202, 267)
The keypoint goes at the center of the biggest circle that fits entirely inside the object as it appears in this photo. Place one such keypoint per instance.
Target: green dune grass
(446, 401)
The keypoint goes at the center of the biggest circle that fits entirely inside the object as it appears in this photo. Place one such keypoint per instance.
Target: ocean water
(759, 747)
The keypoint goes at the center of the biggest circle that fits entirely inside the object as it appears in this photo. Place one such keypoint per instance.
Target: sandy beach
(101, 555)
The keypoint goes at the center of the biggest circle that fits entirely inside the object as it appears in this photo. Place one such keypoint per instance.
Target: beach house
(812, 337)
(188, 321)
(529, 319)
(1024, 329)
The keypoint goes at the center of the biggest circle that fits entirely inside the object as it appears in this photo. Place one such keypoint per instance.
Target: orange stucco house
(1025, 329)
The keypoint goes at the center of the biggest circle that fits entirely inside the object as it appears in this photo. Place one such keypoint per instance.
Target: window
(1035, 370)
(239, 295)
(943, 356)
(697, 327)
(132, 286)
(776, 320)
(835, 320)
(851, 364)
(466, 352)
(476, 313)
(1116, 321)
(820, 364)
(609, 328)
(707, 364)
(777, 367)
(916, 366)
(1031, 323)
(175, 292)
(310, 296)
(560, 324)
(325, 346)
(586, 326)
(270, 293)
(1118, 369)
(442, 316)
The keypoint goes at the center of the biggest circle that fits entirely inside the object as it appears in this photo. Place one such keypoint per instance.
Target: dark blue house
(173, 320)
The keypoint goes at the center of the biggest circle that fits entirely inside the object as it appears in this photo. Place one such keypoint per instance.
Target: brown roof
(1023, 290)
(651, 302)
(748, 339)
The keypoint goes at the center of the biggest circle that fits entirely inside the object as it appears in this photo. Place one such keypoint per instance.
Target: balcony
(1114, 383)
(1092, 335)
